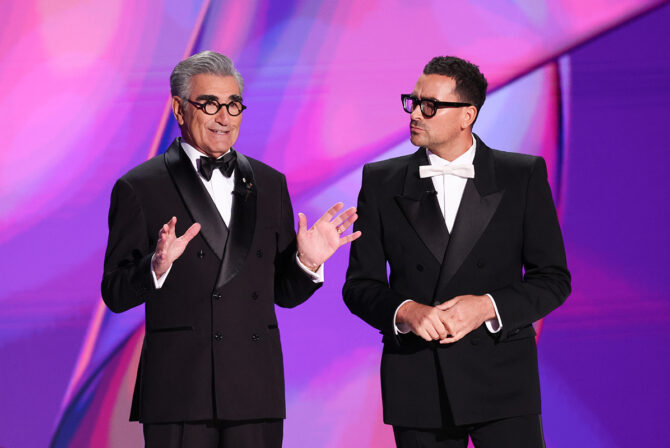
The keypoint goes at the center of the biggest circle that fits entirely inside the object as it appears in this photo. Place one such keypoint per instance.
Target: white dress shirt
(449, 190)
(220, 188)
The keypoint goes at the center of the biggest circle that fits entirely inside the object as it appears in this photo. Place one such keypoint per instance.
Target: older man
(211, 371)
(475, 255)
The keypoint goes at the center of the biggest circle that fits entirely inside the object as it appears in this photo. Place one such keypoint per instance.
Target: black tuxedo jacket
(505, 241)
(212, 348)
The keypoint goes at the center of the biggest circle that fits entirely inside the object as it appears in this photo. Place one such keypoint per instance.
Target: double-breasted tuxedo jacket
(211, 348)
(505, 241)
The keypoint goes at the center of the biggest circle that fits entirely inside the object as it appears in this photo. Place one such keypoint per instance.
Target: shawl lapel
(242, 221)
(197, 200)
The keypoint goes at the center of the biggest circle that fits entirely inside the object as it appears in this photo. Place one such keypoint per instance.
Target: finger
(449, 326)
(344, 215)
(331, 212)
(349, 238)
(441, 330)
(163, 231)
(424, 335)
(191, 232)
(302, 222)
(439, 327)
(452, 338)
(172, 224)
(448, 304)
(432, 332)
(346, 224)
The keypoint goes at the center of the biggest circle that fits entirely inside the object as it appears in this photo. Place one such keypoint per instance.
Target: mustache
(415, 123)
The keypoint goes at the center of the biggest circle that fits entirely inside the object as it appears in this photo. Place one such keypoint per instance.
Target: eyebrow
(207, 98)
(216, 98)
(432, 98)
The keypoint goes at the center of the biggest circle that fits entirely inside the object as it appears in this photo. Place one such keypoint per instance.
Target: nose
(416, 113)
(222, 116)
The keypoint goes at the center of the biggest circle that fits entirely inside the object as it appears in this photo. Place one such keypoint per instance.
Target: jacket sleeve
(126, 279)
(292, 285)
(546, 281)
(366, 291)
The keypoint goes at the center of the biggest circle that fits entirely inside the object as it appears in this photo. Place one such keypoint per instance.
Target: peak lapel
(419, 205)
(479, 202)
(242, 221)
(196, 198)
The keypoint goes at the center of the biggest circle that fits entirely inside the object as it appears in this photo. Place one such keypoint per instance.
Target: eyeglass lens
(234, 107)
(427, 107)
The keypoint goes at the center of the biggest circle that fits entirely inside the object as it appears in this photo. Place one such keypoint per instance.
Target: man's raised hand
(169, 247)
(319, 242)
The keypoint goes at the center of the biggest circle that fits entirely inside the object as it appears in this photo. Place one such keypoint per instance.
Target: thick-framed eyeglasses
(212, 107)
(428, 107)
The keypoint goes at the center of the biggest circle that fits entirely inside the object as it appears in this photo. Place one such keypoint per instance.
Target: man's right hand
(422, 320)
(169, 247)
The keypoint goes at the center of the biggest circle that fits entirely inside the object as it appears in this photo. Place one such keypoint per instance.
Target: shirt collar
(465, 158)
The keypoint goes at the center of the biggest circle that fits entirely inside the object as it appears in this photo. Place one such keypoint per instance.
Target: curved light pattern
(341, 398)
(84, 89)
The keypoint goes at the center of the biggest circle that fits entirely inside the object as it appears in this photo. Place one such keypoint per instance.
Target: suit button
(474, 341)
(419, 267)
(436, 302)
(254, 295)
(255, 337)
(216, 296)
(481, 263)
(218, 336)
(201, 254)
(259, 253)
(515, 332)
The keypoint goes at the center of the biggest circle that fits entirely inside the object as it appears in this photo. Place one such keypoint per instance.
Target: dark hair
(470, 83)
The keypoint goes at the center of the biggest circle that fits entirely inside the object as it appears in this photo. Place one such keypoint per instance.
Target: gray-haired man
(211, 370)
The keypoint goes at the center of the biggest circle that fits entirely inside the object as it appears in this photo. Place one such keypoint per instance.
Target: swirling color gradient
(85, 98)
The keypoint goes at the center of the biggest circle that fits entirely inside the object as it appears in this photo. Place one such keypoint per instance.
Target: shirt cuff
(317, 277)
(397, 330)
(494, 325)
(158, 284)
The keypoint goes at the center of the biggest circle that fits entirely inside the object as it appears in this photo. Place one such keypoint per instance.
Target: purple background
(84, 88)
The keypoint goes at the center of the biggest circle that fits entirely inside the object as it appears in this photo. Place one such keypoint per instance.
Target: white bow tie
(466, 171)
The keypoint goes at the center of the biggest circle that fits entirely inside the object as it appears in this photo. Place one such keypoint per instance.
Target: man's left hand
(463, 314)
(319, 242)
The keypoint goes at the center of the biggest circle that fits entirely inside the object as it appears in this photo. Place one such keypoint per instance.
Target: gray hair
(204, 62)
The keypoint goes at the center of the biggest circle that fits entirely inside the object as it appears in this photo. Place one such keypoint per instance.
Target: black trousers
(218, 434)
(515, 432)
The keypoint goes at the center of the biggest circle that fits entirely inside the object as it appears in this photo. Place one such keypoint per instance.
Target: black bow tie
(226, 164)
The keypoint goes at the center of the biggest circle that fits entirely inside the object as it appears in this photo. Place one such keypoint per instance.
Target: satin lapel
(196, 198)
(242, 221)
(419, 205)
(479, 202)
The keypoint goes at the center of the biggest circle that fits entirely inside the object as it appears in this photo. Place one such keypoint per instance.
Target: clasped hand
(447, 322)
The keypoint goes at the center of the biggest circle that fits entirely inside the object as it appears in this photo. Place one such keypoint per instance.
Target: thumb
(302, 222)
(444, 306)
(191, 232)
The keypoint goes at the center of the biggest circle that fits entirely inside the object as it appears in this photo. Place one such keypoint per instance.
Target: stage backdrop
(84, 94)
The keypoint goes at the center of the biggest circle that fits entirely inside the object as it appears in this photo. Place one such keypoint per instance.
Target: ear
(178, 110)
(469, 115)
